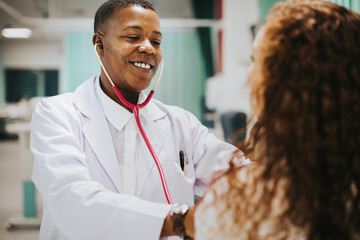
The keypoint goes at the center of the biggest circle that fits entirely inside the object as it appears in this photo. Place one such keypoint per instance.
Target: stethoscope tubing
(135, 109)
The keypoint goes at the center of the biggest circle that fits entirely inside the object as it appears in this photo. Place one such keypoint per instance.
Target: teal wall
(352, 4)
(184, 74)
(265, 6)
(80, 60)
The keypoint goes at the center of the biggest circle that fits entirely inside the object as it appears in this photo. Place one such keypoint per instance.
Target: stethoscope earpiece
(100, 45)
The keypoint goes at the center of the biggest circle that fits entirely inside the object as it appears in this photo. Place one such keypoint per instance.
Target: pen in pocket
(183, 162)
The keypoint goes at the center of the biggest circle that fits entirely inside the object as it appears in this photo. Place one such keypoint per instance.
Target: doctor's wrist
(167, 229)
(189, 223)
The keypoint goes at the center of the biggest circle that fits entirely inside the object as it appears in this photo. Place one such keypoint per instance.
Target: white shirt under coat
(124, 133)
(77, 172)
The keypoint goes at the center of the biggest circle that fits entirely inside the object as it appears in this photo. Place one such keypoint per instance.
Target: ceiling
(49, 19)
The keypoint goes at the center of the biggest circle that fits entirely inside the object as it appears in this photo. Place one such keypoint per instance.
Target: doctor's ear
(98, 41)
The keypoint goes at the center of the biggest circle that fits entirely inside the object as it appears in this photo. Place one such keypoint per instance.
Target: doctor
(92, 167)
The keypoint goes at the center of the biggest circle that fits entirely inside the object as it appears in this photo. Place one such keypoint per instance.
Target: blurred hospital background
(46, 49)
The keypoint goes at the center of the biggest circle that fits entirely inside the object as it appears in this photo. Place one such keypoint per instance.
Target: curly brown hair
(305, 141)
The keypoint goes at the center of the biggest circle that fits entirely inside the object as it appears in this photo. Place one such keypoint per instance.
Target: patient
(305, 182)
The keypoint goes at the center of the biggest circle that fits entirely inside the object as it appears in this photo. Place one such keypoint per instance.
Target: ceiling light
(16, 32)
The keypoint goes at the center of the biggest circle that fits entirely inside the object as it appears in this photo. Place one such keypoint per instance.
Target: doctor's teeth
(142, 65)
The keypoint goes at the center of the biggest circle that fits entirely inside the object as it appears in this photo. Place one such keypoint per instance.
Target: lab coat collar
(88, 103)
(96, 131)
(118, 116)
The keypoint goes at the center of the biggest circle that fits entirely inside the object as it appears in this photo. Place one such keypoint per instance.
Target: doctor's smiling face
(131, 50)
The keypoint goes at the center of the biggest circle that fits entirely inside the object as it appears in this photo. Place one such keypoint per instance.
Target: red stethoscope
(135, 109)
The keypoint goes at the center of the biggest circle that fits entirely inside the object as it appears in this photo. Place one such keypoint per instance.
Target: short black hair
(107, 9)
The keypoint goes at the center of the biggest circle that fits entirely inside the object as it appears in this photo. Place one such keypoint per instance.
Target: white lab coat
(78, 175)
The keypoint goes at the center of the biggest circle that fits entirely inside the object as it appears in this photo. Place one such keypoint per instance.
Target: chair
(234, 126)
(208, 117)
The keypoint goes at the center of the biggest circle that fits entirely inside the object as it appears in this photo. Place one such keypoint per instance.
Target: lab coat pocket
(181, 186)
(173, 169)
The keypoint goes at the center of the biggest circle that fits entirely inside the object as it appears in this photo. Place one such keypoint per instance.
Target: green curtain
(205, 9)
(2, 83)
(184, 75)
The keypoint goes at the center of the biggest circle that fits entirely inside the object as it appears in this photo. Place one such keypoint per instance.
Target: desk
(29, 218)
